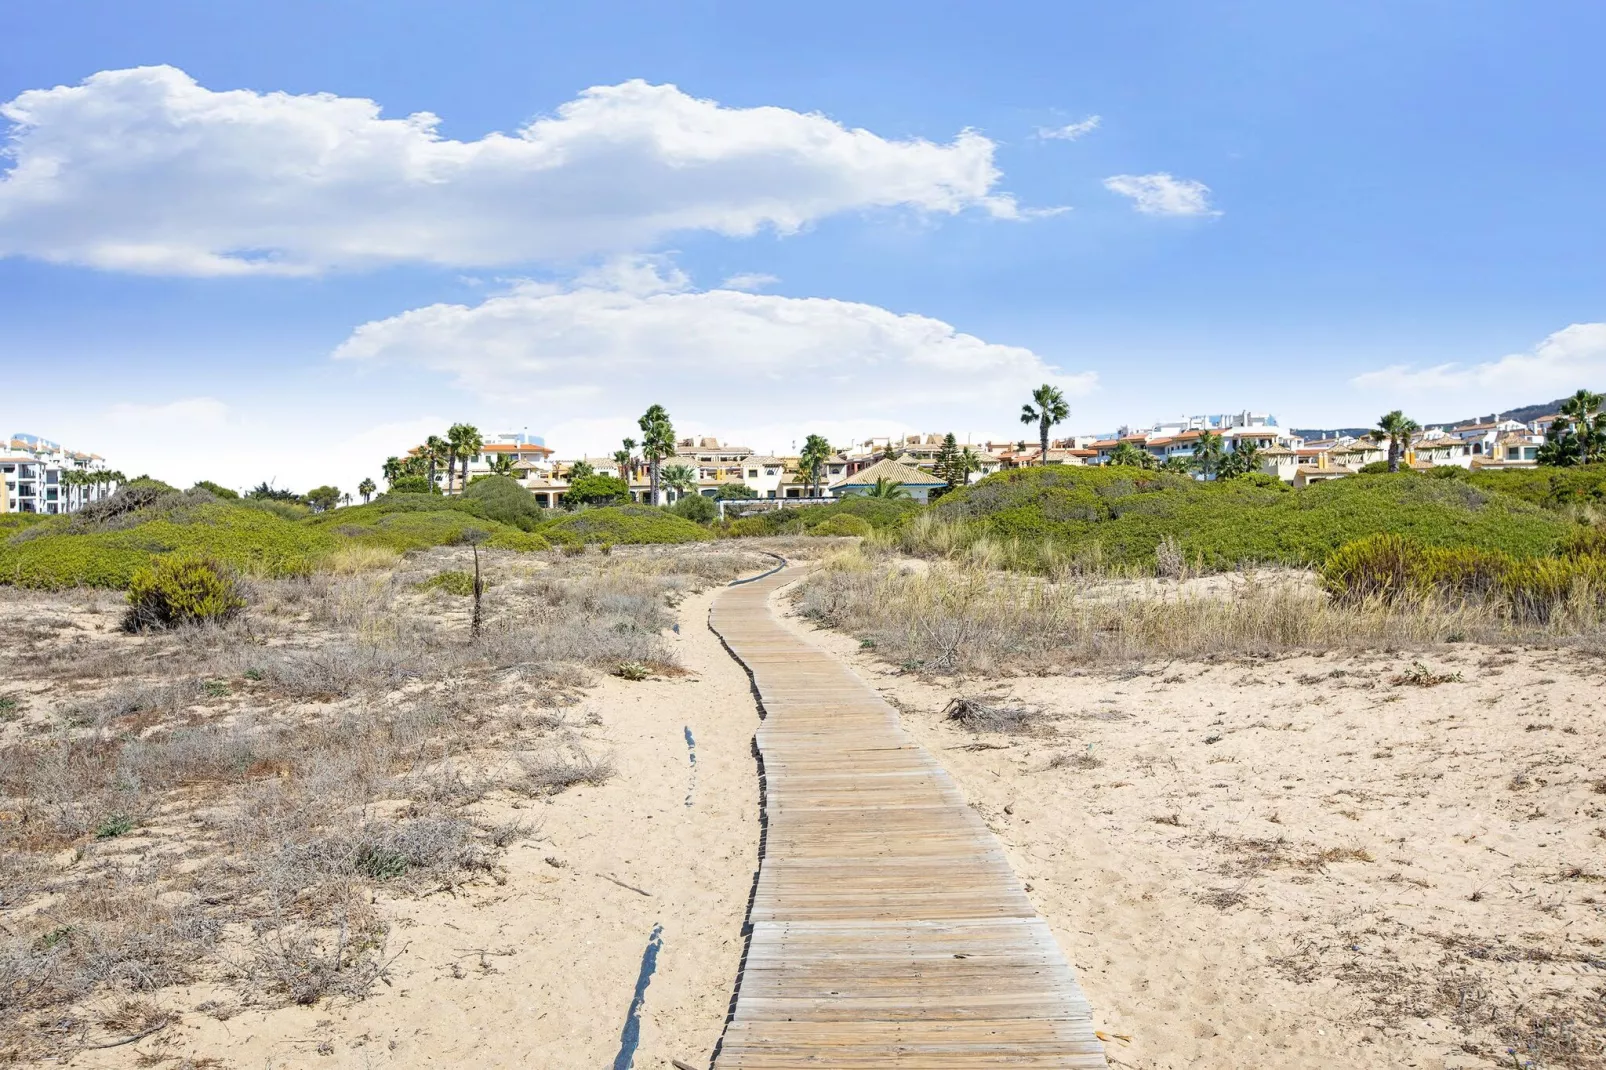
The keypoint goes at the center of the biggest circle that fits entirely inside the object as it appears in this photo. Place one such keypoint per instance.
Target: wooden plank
(887, 927)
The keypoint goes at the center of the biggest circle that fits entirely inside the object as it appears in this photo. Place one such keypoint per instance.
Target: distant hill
(1522, 413)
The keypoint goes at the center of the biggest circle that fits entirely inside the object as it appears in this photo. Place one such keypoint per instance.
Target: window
(752, 473)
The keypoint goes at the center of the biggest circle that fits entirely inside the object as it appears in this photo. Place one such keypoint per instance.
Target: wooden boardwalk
(887, 926)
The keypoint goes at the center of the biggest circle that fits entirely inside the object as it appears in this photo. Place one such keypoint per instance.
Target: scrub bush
(843, 524)
(696, 508)
(182, 589)
(623, 524)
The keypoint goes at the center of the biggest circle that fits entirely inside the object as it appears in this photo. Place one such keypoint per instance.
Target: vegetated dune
(343, 827)
(1221, 524)
(621, 524)
(1258, 855)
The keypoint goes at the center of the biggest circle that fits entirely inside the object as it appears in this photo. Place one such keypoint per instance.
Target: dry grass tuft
(963, 618)
(980, 717)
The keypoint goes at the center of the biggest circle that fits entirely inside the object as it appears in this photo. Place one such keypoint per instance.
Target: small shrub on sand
(182, 589)
(978, 716)
(349, 560)
(452, 581)
(621, 524)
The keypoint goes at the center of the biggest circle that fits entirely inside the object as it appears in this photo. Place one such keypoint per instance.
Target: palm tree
(437, 450)
(503, 465)
(629, 451)
(886, 490)
(622, 458)
(581, 469)
(1583, 410)
(1242, 460)
(1050, 409)
(366, 488)
(1397, 428)
(680, 478)
(392, 469)
(816, 451)
(465, 442)
(657, 443)
(1129, 455)
(1207, 455)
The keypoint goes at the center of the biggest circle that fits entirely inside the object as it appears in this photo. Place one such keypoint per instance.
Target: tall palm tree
(465, 442)
(1396, 428)
(366, 488)
(437, 450)
(1047, 409)
(1583, 410)
(657, 443)
(629, 451)
(622, 458)
(392, 469)
(680, 478)
(816, 451)
(1208, 453)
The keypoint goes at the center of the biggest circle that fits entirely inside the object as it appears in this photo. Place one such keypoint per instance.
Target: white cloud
(170, 418)
(1071, 131)
(1161, 194)
(1570, 358)
(636, 333)
(752, 281)
(144, 170)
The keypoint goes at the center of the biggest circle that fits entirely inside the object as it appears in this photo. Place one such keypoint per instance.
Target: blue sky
(1324, 210)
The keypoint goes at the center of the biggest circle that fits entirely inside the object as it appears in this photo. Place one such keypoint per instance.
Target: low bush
(696, 508)
(501, 499)
(403, 522)
(622, 524)
(182, 589)
(1550, 487)
(105, 550)
(413, 485)
(881, 514)
(1033, 517)
(217, 490)
(452, 581)
(843, 524)
(1390, 568)
(597, 490)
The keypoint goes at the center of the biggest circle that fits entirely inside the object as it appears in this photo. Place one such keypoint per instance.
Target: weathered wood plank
(887, 927)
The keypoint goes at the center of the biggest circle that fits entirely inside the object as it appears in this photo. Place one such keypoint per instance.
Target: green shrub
(1550, 487)
(735, 492)
(879, 513)
(1390, 568)
(87, 552)
(596, 490)
(696, 508)
(403, 522)
(1225, 523)
(842, 524)
(217, 490)
(1584, 542)
(182, 589)
(622, 524)
(413, 485)
(452, 581)
(503, 500)
(1374, 468)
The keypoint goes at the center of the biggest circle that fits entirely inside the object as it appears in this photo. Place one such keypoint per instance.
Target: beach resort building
(38, 477)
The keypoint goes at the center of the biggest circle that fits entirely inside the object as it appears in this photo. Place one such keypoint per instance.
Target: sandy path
(1298, 864)
(540, 970)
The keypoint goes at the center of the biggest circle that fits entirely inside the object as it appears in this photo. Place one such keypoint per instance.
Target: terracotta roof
(1106, 443)
(890, 470)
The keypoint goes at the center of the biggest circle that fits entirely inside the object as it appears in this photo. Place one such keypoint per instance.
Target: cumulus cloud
(145, 170)
(1071, 131)
(1162, 194)
(1572, 357)
(637, 332)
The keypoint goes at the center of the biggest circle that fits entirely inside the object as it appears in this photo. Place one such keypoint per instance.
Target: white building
(36, 476)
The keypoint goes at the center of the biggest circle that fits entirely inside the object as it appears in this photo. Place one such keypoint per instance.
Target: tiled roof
(890, 470)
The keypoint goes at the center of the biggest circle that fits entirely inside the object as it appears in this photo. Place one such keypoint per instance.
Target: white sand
(540, 971)
(1211, 944)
